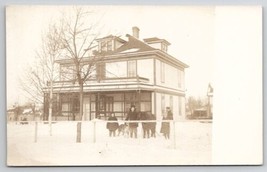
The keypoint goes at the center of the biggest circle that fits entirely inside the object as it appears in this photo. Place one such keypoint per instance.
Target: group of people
(149, 128)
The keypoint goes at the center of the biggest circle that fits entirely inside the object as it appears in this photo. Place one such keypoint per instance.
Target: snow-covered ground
(193, 145)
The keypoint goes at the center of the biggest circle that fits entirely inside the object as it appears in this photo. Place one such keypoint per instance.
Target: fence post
(94, 130)
(35, 131)
(174, 135)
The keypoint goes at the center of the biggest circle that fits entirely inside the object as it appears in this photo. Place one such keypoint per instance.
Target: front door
(86, 108)
(109, 105)
(105, 106)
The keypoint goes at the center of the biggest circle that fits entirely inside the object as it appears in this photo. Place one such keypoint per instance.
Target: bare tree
(32, 82)
(43, 72)
(51, 51)
(78, 39)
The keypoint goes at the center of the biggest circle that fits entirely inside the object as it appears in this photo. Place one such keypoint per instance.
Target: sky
(189, 29)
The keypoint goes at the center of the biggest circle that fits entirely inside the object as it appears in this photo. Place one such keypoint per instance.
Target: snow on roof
(130, 50)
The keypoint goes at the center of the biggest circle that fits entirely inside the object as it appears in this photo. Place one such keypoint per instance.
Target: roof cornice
(159, 53)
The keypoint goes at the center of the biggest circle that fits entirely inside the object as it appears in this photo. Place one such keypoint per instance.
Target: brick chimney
(135, 32)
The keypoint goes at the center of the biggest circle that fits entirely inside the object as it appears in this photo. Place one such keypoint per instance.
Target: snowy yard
(193, 145)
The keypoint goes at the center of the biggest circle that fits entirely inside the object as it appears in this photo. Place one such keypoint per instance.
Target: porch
(99, 105)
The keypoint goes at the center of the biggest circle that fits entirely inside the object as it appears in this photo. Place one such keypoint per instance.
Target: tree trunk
(50, 107)
(79, 124)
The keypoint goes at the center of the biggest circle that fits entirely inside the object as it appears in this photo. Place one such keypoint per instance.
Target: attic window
(103, 46)
(109, 45)
(164, 47)
(106, 45)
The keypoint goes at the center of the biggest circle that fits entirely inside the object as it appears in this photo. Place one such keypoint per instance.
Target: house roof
(133, 44)
(112, 36)
(155, 40)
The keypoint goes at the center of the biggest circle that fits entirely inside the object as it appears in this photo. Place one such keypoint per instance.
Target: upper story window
(106, 45)
(116, 69)
(162, 72)
(103, 46)
(67, 72)
(109, 45)
(101, 71)
(131, 68)
(180, 105)
(171, 103)
(164, 47)
(180, 78)
(162, 103)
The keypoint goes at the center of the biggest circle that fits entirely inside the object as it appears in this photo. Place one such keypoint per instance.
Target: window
(76, 104)
(145, 106)
(65, 108)
(118, 107)
(162, 103)
(179, 78)
(162, 72)
(109, 45)
(180, 105)
(164, 47)
(101, 71)
(103, 46)
(106, 45)
(67, 72)
(116, 69)
(171, 103)
(132, 68)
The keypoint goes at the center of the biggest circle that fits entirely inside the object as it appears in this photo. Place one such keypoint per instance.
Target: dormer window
(106, 45)
(109, 43)
(164, 47)
(103, 46)
(157, 43)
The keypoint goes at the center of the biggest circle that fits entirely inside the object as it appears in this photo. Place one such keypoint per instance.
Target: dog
(124, 130)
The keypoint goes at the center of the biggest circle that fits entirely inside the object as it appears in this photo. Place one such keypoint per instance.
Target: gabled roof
(135, 45)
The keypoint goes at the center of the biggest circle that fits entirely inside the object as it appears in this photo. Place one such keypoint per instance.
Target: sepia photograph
(111, 85)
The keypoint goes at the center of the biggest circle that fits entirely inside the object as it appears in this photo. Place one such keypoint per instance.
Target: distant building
(210, 101)
(23, 114)
(139, 72)
(11, 115)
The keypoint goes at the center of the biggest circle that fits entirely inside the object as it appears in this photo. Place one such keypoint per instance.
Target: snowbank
(193, 146)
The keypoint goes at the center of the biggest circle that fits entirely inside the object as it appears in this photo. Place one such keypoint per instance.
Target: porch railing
(118, 80)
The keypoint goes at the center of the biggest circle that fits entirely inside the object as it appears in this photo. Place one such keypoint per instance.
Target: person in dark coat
(132, 115)
(152, 125)
(112, 126)
(145, 125)
(165, 126)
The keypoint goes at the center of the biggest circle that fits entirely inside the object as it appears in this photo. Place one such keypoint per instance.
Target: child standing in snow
(112, 126)
(165, 126)
(133, 115)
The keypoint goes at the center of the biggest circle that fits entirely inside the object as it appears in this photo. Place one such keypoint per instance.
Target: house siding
(145, 69)
(171, 76)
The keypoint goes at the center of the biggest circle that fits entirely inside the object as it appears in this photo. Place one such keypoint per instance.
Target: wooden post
(94, 130)
(174, 135)
(35, 131)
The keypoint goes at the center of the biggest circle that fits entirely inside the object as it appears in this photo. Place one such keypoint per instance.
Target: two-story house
(134, 71)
